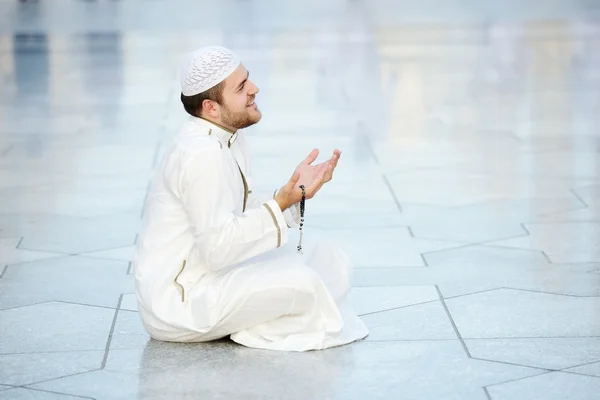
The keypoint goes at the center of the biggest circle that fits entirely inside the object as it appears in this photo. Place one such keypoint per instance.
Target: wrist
(283, 204)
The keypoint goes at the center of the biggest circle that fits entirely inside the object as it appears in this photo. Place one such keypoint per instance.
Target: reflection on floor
(468, 193)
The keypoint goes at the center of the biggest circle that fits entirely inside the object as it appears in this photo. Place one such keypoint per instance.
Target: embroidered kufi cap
(206, 68)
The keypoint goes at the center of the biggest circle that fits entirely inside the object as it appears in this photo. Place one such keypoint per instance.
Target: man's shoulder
(190, 145)
(192, 140)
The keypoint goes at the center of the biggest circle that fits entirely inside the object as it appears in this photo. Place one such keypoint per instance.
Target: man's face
(238, 110)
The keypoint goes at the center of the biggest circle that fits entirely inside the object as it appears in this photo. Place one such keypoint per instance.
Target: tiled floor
(468, 193)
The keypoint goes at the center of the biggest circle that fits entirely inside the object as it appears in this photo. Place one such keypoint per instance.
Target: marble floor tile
(11, 254)
(382, 247)
(581, 214)
(129, 302)
(473, 269)
(559, 164)
(119, 253)
(66, 279)
(368, 300)
(355, 221)
(64, 327)
(35, 394)
(588, 369)
(29, 368)
(561, 242)
(590, 194)
(129, 333)
(507, 313)
(551, 353)
(480, 221)
(82, 203)
(26, 225)
(66, 242)
(416, 322)
(555, 385)
(374, 370)
(445, 187)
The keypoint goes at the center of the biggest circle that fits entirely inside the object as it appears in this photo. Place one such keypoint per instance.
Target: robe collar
(224, 135)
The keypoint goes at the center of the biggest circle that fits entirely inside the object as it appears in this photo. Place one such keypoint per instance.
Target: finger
(319, 180)
(325, 176)
(312, 156)
(329, 174)
(336, 157)
(294, 180)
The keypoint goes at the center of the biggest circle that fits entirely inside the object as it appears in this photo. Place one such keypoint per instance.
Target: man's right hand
(311, 176)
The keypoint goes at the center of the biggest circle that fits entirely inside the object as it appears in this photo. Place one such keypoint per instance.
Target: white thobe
(212, 260)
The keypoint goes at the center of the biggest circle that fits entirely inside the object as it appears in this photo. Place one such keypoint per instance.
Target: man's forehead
(238, 76)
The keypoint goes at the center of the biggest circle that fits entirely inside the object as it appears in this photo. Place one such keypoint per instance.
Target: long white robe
(212, 259)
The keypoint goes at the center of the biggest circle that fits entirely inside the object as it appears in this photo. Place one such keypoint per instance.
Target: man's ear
(210, 108)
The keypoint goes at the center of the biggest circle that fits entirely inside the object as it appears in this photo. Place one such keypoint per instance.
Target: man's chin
(255, 116)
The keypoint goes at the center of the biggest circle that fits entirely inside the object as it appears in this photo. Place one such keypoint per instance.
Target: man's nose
(253, 88)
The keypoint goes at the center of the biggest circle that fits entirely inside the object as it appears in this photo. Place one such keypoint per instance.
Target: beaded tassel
(302, 203)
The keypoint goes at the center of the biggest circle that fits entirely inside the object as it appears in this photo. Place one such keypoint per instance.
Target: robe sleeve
(222, 237)
(291, 215)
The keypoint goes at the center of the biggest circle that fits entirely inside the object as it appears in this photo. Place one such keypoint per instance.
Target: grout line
(523, 290)
(60, 393)
(456, 247)
(50, 352)
(3, 271)
(518, 379)
(110, 334)
(59, 254)
(579, 198)
(387, 183)
(555, 294)
(487, 393)
(29, 385)
(533, 337)
(442, 300)
(397, 308)
(546, 256)
(370, 148)
(83, 304)
(65, 302)
(27, 305)
(580, 365)
(469, 294)
(578, 373)
(513, 364)
(406, 340)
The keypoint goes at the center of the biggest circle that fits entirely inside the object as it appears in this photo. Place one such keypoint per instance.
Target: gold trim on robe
(276, 224)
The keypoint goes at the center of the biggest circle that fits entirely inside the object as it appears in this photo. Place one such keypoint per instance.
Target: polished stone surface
(468, 193)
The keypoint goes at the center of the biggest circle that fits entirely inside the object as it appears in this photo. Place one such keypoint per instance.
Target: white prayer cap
(206, 68)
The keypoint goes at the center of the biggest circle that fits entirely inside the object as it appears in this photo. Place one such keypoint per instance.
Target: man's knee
(303, 278)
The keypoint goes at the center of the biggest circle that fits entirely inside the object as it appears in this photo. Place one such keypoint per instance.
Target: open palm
(314, 176)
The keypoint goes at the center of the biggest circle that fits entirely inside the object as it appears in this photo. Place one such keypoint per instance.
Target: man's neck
(225, 128)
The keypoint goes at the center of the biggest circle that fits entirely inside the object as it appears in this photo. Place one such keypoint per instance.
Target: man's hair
(193, 104)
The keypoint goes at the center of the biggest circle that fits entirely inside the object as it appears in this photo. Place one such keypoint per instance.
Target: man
(212, 259)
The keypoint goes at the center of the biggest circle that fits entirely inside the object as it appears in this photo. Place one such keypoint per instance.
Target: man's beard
(238, 120)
